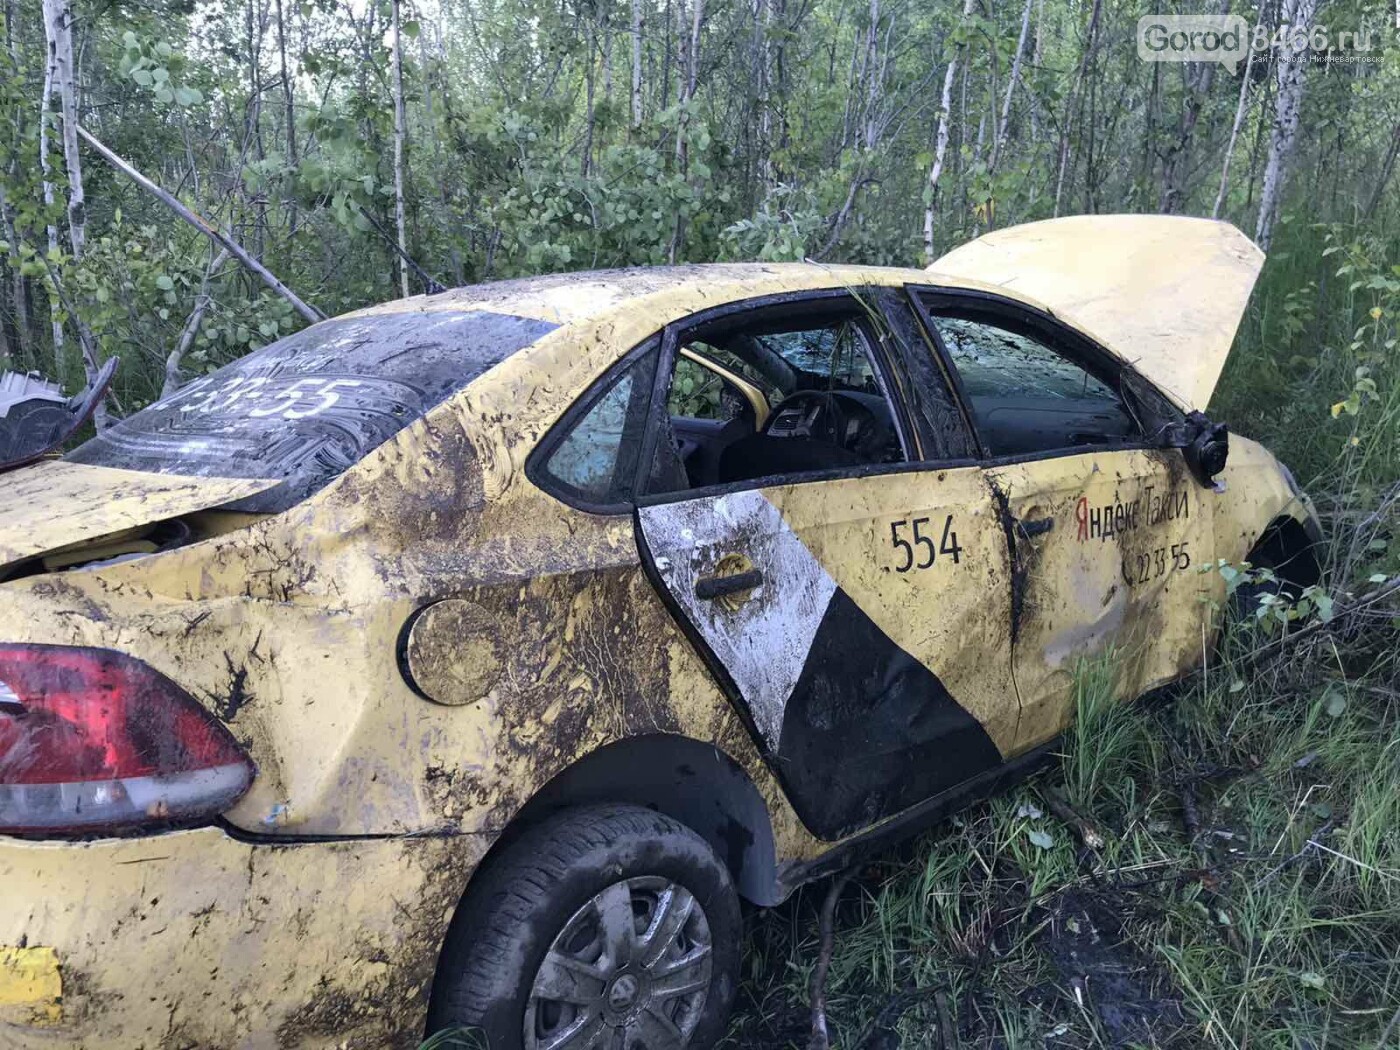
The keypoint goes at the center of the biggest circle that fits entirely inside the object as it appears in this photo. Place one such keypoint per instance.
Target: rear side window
(592, 457)
(306, 408)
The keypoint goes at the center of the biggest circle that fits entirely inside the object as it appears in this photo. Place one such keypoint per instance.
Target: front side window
(1026, 396)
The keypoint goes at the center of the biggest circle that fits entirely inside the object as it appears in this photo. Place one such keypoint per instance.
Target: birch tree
(1289, 72)
(940, 146)
(1234, 136)
(400, 220)
(58, 31)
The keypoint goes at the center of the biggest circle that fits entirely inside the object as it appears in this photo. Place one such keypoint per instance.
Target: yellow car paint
(31, 987)
(288, 628)
(50, 506)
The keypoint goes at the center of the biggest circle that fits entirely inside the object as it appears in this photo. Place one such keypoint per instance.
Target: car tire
(548, 917)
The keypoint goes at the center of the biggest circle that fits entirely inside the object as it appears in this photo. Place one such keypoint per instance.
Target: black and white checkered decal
(858, 728)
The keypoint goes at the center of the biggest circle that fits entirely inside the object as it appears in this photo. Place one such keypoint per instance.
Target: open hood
(1163, 292)
(51, 505)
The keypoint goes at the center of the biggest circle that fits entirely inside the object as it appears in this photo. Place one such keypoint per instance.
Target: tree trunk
(636, 64)
(400, 219)
(1005, 122)
(940, 145)
(687, 92)
(45, 168)
(1290, 75)
(203, 226)
(201, 304)
(290, 116)
(1240, 108)
(1387, 170)
(58, 32)
(1066, 125)
(1197, 78)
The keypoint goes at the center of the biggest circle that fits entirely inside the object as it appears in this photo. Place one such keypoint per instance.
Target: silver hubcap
(629, 971)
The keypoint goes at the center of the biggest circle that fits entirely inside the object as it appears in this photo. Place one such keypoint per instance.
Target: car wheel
(607, 926)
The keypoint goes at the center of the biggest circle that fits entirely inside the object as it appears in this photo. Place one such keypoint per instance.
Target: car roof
(567, 298)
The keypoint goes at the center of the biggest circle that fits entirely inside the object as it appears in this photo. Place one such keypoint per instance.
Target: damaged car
(465, 660)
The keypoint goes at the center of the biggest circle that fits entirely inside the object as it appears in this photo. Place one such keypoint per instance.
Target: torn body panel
(50, 506)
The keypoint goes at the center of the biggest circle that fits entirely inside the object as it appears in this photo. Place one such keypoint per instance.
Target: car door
(856, 611)
(1108, 526)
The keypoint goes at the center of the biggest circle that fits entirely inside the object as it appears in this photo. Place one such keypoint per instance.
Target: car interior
(800, 395)
(778, 394)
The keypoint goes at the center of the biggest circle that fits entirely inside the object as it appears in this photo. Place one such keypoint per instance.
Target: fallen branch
(191, 329)
(205, 227)
(1087, 831)
(821, 1036)
(1342, 613)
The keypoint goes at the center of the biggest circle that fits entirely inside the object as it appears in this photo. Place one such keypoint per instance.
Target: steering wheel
(831, 416)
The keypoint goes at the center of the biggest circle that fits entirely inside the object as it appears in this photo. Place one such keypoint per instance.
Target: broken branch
(203, 226)
(201, 304)
(1087, 831)
(821, 1036)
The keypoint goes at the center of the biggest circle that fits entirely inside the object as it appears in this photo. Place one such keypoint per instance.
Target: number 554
(921, 537)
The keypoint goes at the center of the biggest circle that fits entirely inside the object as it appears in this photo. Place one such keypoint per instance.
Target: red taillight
(92, 740)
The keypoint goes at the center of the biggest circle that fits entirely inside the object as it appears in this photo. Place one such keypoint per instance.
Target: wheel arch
(1291, 549)
(688, 780)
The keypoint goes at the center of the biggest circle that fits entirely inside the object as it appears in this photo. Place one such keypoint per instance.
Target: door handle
(707, 588)
(1038, 527)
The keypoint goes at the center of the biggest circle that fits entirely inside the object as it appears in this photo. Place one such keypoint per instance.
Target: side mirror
(1206, 448)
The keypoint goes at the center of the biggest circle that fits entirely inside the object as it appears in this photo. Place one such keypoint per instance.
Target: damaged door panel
(1107, 552)
(862, 624)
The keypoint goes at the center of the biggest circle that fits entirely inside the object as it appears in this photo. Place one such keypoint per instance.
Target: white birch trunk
(1004, 125)
(1234, 135)
(400, 220)
(1288, 102)
(636, 64)
(46, 169)
(59, 34)
(940, 145)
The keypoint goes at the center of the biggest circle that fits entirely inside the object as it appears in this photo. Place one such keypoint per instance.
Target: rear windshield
(305, 408)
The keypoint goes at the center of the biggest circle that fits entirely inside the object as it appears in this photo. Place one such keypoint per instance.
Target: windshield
(305, 408)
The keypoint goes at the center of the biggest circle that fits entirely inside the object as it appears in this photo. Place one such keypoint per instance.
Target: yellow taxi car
(465, 660)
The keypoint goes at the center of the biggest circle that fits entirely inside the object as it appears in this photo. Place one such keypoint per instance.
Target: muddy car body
(512, 579)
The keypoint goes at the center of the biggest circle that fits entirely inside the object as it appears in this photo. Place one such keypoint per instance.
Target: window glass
(837, 352)
(596, 459)
(1027, 397)
(308, 407)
